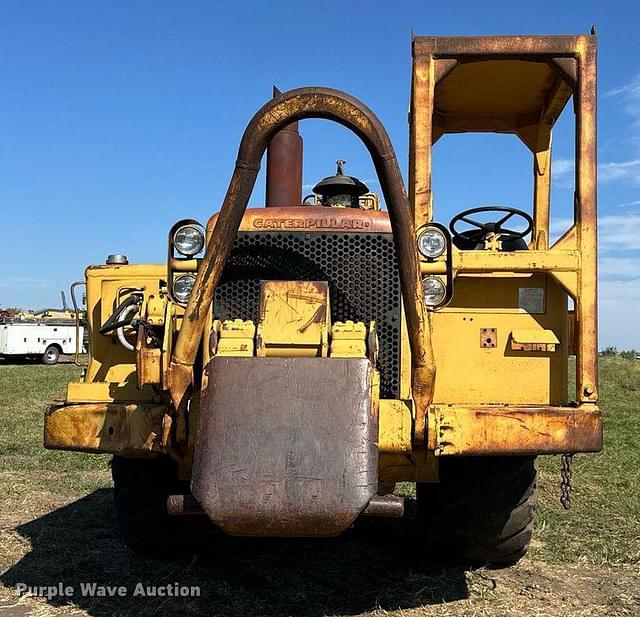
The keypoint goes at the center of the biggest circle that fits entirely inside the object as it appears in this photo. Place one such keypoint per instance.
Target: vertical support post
(586, 220)
(420, 137)
(542, 189)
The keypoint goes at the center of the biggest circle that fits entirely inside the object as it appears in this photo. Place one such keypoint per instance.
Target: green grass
(375, 569)
(602, 528)
(27, 389)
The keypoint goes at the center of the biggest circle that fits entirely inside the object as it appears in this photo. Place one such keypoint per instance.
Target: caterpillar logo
(310, 223)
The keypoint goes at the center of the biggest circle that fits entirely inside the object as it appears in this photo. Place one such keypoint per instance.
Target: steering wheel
(479, 230)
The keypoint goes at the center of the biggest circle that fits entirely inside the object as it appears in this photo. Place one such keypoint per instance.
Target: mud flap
(286, 446)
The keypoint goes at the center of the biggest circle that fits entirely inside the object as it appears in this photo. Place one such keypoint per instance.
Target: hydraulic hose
(125, 320)
(113, 323)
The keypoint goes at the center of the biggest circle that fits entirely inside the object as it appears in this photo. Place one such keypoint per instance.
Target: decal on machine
(310, 223)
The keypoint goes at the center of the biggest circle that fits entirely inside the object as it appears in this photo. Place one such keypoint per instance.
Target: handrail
(76, 359)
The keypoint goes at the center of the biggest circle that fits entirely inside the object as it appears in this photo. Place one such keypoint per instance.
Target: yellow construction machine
(288, 365)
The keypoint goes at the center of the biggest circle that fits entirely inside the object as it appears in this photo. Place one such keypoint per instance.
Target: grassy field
(57, 524)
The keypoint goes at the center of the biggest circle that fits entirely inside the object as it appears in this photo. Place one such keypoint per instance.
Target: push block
(286, 446)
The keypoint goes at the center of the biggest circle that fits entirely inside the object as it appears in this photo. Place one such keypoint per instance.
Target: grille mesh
(361, 269)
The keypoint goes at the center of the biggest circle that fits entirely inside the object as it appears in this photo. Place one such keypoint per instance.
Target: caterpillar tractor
(288, 365)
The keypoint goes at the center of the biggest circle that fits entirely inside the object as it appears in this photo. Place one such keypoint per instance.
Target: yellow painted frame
(572, 260)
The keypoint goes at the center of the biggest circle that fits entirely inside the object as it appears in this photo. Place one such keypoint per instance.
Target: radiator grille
(361, 269)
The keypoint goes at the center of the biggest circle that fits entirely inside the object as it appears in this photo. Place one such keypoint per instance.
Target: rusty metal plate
(488, 337)
(312, 218)
(117, 428)
(501, 430)
(286, 446)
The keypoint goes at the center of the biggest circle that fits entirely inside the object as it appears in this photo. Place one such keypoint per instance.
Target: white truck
(45, 340)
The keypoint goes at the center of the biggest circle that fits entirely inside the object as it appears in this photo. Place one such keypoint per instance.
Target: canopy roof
(499, 84)
(499, 96)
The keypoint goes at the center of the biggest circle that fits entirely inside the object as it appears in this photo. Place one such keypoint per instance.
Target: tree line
(629, 354)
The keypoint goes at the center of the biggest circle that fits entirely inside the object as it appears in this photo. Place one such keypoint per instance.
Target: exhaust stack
(284, 166)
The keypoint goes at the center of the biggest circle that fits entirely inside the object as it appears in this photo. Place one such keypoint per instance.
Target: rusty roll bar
(279, 112)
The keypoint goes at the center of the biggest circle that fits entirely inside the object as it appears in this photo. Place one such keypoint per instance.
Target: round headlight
(182, 287)
(434, 290)
(188, 240)
(432, 242)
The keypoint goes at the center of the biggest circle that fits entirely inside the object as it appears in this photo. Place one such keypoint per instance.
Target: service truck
(41, 335)
(45, 341)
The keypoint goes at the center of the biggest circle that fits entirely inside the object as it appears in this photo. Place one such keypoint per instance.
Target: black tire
(51, 355)
(140, 491)
(481, 511)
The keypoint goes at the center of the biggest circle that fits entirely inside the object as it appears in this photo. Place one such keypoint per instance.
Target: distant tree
(629, 354)
(609, 352)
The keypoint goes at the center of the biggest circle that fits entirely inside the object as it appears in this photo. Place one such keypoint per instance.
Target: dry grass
(57, 524)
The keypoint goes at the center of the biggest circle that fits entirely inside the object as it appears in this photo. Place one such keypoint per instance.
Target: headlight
(188, 240)
(434, 290)
(182, 287)
(432, 242)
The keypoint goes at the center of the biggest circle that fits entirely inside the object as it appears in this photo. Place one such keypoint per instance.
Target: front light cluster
(188, 240)
(432, 243)
(182, 287)
(434, 290)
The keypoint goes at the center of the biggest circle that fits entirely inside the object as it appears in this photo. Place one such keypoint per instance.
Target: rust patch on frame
(498, 430)
(488, 337)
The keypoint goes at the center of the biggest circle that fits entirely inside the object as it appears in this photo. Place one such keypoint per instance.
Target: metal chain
(565, 480)
(148, 329)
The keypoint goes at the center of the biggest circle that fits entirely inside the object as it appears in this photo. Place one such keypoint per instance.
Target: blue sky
(118, 118)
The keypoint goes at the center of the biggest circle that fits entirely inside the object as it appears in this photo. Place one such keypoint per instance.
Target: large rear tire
(140, 491)
(481, 511)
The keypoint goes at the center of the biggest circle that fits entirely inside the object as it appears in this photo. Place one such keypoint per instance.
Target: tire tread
(482, 510)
